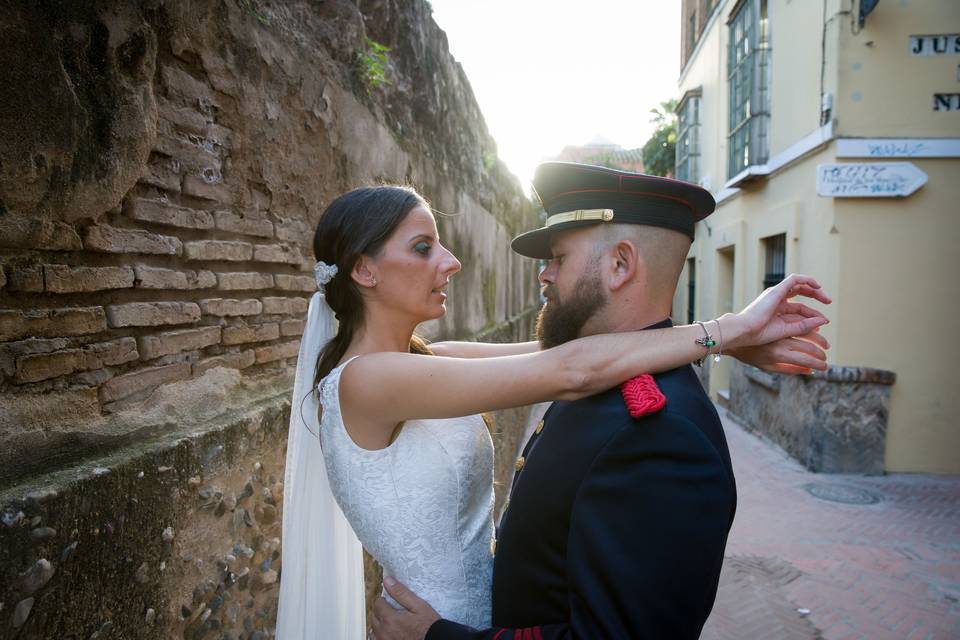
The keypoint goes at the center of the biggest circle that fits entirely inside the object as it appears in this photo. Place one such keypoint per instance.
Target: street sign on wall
(935, 45)
(869, 180)
(898, 148)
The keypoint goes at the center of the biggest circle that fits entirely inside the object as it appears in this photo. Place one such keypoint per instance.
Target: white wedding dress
(422, 506)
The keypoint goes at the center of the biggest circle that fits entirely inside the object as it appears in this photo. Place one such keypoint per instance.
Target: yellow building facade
(829, 133)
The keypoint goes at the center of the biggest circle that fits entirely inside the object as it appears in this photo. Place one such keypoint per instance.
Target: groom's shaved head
(664, 252)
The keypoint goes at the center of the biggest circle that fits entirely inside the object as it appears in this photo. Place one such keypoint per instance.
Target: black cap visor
(536, 243)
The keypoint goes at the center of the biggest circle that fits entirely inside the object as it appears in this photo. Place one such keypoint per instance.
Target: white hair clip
(324, 273)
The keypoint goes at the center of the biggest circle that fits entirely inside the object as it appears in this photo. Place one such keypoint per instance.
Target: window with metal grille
(691, 289)
(688, 139)
(775, 259)
(748, 76)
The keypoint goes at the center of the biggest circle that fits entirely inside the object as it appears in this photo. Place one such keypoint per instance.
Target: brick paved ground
(888, 570)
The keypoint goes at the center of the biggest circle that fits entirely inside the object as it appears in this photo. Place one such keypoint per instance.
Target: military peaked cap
(579, 195)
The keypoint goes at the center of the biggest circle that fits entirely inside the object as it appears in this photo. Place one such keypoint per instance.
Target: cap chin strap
(606, 215)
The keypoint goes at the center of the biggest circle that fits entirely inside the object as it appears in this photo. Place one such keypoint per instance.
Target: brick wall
(161, 173)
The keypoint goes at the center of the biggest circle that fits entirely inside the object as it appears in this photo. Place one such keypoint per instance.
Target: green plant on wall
(372, 63)
(489, 159)
(253, 8)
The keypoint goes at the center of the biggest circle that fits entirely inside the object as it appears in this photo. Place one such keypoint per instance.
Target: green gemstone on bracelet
(710, 343)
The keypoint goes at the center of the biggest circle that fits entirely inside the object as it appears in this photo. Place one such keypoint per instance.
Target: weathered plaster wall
(162, 167)
(832, 422)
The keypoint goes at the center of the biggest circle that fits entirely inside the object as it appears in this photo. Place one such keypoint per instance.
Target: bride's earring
(374, 283)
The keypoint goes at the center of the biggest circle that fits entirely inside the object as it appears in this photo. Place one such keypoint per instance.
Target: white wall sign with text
(935, 45)
(869, 180)
(898, 147)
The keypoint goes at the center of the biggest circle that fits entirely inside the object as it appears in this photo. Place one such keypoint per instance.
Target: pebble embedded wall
(167, 541)
(162, 169)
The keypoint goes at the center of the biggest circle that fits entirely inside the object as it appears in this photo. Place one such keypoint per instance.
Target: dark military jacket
(615, 526)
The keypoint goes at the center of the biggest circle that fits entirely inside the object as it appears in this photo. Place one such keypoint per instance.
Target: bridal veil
(321, 584)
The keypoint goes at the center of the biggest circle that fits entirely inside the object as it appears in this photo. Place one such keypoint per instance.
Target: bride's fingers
(801, 359)
(799, 309)
(795, 281)
(803, 326)
(810, 349)
(815, 337)
(809, 292)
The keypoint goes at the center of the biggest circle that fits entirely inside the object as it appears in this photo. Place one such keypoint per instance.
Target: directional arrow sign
(869, 180)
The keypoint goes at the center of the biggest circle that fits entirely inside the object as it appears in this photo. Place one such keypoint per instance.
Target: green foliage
(489, 159)
(372, 63)
(253, 8)
(605, 160)
(660, 151)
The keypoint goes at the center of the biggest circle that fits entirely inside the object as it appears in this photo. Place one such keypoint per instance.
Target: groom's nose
(548, 274)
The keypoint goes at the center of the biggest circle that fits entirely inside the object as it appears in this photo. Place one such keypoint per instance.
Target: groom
(615, 526)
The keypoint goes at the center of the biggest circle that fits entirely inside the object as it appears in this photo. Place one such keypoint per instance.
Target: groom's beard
(561, 321)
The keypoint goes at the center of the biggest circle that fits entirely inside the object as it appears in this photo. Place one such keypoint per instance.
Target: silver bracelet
(706, 341)
(716, 356)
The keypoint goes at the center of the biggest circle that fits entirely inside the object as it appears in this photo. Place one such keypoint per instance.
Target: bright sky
(549, 73)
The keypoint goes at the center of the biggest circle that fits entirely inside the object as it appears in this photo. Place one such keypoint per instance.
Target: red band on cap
(632, 193)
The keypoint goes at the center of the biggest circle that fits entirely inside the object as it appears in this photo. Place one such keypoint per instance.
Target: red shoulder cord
(642, 396)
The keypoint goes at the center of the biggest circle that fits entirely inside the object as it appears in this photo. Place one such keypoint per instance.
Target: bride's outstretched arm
(796, 355)
(454, 349)
(378, 390)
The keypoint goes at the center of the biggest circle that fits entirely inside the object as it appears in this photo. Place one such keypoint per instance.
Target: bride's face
(413, 269)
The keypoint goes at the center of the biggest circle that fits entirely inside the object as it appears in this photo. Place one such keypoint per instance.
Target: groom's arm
(646, 540)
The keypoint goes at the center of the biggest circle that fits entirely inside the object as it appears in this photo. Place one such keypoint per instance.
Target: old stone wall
(162, 168)
(833, 421)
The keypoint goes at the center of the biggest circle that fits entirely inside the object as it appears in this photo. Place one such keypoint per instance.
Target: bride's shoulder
(364, 368)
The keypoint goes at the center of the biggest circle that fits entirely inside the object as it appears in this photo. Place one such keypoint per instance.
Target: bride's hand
(774, 316)
(800, 355)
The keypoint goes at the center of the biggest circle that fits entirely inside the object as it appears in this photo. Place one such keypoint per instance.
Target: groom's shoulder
(686, 396)
(687, 413)
(680, 388)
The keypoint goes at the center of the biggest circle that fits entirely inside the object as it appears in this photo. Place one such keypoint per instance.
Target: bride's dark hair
(357, 223)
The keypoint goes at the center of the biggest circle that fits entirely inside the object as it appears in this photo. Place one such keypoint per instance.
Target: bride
(386, 447)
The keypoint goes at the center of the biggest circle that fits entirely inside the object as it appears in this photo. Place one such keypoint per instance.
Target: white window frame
(748, 82)
(687, 165)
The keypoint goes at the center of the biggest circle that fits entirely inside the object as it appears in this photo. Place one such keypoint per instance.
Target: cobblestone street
(870, 558)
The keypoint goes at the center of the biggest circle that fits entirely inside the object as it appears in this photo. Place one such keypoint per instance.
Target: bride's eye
(423, 248)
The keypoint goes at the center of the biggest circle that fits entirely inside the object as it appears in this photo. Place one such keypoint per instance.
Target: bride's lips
(440, 291)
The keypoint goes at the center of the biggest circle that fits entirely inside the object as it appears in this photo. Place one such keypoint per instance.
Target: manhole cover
(841, 493)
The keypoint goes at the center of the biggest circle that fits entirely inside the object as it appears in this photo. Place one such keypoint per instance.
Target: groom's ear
(626, 263)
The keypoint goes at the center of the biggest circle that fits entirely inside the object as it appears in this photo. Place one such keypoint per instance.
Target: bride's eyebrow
(428, 236)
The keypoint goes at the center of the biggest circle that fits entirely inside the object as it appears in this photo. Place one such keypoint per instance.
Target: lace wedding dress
(422, 506)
